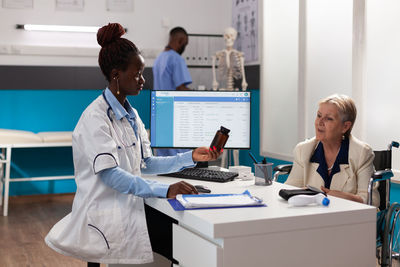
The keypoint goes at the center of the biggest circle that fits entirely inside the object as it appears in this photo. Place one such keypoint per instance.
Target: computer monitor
(190, 119)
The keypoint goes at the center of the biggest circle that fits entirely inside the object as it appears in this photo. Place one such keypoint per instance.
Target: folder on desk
(213, 201)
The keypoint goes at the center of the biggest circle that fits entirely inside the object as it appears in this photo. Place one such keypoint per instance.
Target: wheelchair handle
(393, 144)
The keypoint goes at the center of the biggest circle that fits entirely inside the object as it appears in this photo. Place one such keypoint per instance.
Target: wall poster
(245, 21)
(18, 4)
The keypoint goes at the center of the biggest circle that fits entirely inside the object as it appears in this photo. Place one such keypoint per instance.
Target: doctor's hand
(205, 154)
(180, 188)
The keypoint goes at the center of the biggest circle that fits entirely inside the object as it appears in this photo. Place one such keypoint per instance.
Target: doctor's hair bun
(109, 33)
(116, 52)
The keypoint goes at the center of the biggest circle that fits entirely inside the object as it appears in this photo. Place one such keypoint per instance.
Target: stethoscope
(120, 139)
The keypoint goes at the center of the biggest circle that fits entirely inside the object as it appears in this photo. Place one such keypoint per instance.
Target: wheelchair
(388, 232)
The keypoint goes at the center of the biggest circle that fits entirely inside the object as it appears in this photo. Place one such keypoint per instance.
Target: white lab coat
(104, 226)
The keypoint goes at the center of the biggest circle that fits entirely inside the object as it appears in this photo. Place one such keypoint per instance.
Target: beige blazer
(352, 178)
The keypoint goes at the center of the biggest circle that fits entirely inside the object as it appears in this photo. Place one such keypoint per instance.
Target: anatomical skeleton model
(230, 63)
(230, 67)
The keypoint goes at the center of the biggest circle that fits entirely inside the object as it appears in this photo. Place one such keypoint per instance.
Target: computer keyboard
(203, 174)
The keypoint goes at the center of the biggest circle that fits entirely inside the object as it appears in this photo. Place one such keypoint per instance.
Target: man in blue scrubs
(170, 72)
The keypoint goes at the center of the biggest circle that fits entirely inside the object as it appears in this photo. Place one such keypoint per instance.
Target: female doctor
(110, 151)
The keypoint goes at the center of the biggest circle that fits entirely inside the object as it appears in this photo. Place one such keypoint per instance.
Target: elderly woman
(334, 160)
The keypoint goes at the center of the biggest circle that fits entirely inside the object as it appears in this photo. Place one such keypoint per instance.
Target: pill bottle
(220, 138)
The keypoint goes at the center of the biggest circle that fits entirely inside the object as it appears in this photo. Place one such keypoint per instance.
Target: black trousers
(159, 226)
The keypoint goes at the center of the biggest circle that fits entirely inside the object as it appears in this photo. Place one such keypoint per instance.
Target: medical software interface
(189, 119)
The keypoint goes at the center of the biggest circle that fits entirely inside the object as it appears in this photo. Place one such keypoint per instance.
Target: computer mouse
(202, 189)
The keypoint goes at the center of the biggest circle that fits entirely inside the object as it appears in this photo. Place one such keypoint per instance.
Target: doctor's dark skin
(130, 82)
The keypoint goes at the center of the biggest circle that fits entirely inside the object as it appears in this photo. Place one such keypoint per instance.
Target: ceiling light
(57, 28)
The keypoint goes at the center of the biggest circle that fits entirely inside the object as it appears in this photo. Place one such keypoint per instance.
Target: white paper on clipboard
(219, 200)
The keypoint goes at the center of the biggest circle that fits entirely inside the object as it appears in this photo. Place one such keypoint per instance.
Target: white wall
(279, 78)
(144, 25)
(328, 60)
(307, 55)
(348, 47)
(382, 75)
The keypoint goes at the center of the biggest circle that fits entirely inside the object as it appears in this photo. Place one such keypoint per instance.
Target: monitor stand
(225, 160)
(230, 157)
(202, 164)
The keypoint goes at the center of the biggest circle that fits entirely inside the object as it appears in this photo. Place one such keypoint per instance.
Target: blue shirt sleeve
(180, 73)
(127, 183)
(155, 165)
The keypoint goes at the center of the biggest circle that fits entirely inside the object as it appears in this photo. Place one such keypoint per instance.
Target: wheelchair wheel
(390, 241)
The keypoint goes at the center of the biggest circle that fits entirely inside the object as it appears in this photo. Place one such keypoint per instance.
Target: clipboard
(213, 201)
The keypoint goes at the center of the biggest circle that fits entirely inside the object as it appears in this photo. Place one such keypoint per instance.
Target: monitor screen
(190, 119)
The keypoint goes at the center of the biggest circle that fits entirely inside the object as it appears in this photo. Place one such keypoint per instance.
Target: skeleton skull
(230, 36)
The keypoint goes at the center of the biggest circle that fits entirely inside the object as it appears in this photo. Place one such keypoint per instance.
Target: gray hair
(346, 107)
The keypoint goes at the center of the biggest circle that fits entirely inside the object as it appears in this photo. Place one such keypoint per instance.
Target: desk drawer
(191, 250)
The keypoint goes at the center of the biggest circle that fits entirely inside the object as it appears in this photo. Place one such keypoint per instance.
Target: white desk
(342, 234)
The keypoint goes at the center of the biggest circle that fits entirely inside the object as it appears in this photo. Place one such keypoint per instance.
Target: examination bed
(11, 139)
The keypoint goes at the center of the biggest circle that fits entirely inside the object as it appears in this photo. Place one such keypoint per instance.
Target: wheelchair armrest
(377, 176)
(382, 175)
(283, 168)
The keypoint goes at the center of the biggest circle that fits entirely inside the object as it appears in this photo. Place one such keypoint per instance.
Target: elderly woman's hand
(327, 191)
(341, 194)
